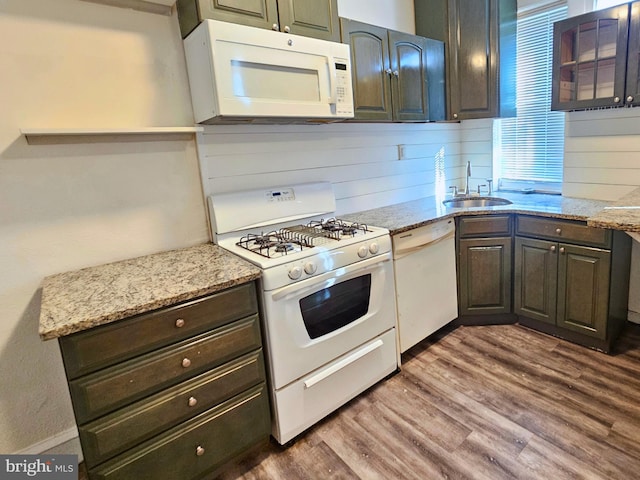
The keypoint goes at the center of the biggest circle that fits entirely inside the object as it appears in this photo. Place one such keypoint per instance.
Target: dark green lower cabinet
(563, 285)
(574, 283)
(484, 276)
(535, 281)
(171, 394)
(583, 289)
(196, 447)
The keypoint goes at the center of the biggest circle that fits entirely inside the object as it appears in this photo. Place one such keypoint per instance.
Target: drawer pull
(562, 250)
(558, 231)
(192, 402)
(180, 323)
(199, 451)
(186, 362)
(553, 248)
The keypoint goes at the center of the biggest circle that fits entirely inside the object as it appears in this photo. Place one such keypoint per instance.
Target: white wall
(69, 64)
(396, 15)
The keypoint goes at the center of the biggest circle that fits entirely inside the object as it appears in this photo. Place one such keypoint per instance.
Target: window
(529, 149)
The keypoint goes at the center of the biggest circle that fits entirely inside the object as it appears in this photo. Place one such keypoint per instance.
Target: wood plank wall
(361, 160)
(476, 146)
(602, 153)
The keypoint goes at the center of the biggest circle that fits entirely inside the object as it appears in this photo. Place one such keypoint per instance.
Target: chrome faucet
(466, 188)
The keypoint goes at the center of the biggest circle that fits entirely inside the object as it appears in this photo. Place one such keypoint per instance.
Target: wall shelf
(52, 136)
(162, 7)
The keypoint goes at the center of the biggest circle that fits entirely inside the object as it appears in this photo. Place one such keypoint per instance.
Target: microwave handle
(333, 93)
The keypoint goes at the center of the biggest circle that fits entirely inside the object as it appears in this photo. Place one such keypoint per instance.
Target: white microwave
(240, 73)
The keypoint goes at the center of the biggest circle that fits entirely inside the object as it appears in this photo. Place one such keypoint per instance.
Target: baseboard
(66, 442)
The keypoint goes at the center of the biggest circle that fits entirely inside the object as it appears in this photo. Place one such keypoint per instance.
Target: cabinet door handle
(562, 250)
(552, 248)
(199, 451)
(192, 402)
(558, 231)
(287, 29)
(455, 115)
(396, 73)
(616, 99)
(186, 362)
(275, 27)
(388, 71)
(629, 99)
(180, 323)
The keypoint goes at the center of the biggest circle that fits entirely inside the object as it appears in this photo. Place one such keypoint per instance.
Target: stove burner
(299, 237)
(284, 247)
(336, 227)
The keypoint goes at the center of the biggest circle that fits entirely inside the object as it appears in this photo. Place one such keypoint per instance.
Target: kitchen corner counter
(624, 214)
(405, 216)
(82, 299)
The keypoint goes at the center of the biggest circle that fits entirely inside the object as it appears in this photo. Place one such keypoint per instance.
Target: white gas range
(328, 299)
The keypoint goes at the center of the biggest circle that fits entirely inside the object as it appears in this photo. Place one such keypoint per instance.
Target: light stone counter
(624, 214)
(405, 216)
(82, 299)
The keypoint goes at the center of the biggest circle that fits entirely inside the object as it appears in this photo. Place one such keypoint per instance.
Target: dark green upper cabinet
(590, 60)
(311, 18)
(370, 70)
(632, 90)
(480, 41)
(395, 75)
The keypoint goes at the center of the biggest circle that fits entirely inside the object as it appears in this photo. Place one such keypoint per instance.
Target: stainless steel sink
(469, 202)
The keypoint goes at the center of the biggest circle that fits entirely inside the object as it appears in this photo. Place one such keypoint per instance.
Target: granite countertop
(82, 299)
(624, 214)
(401, 217)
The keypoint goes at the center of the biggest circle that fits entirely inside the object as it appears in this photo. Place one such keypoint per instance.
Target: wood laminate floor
(494, 402)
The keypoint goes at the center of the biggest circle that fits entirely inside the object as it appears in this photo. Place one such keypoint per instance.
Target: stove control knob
(295, 273)
(310, 268)
(374, 248)
(363, 251)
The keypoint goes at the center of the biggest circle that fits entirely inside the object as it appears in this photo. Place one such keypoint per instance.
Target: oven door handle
(342, 363)
(313, 282)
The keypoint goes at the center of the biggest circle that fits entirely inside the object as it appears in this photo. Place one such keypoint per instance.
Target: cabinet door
(311, 18)
(535, 281)
(589, 60)
(255, 13)
(633, 57)
(484, 276)
(583, 289)
(473, 58)
(370, 70)
(409, 89)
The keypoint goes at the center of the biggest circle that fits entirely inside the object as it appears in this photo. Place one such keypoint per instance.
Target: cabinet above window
(595, 59)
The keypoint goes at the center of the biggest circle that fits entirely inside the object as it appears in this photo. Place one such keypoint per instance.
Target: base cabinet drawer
(107, 345)
(112, 434)
(114, 387)
(196, 447)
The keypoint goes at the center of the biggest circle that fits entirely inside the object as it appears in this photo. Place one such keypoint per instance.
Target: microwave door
(254, 80)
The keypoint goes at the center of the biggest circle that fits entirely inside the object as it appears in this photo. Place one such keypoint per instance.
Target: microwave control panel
(344, 92)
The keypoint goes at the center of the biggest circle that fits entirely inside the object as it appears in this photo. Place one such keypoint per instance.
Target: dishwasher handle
(403, 252)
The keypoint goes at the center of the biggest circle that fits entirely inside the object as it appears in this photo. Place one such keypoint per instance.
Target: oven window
(336, 306)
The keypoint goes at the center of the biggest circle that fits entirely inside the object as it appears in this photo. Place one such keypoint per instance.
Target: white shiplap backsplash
(361, 160)
(602, 153)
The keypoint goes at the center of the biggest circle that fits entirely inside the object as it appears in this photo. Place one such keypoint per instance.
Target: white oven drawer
(311, 398)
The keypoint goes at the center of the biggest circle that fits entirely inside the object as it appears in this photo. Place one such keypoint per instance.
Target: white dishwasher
(424, 260)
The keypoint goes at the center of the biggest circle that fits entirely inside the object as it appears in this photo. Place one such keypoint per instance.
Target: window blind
(529, 148)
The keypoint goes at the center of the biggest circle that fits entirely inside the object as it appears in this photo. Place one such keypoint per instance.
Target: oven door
(310, 323)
